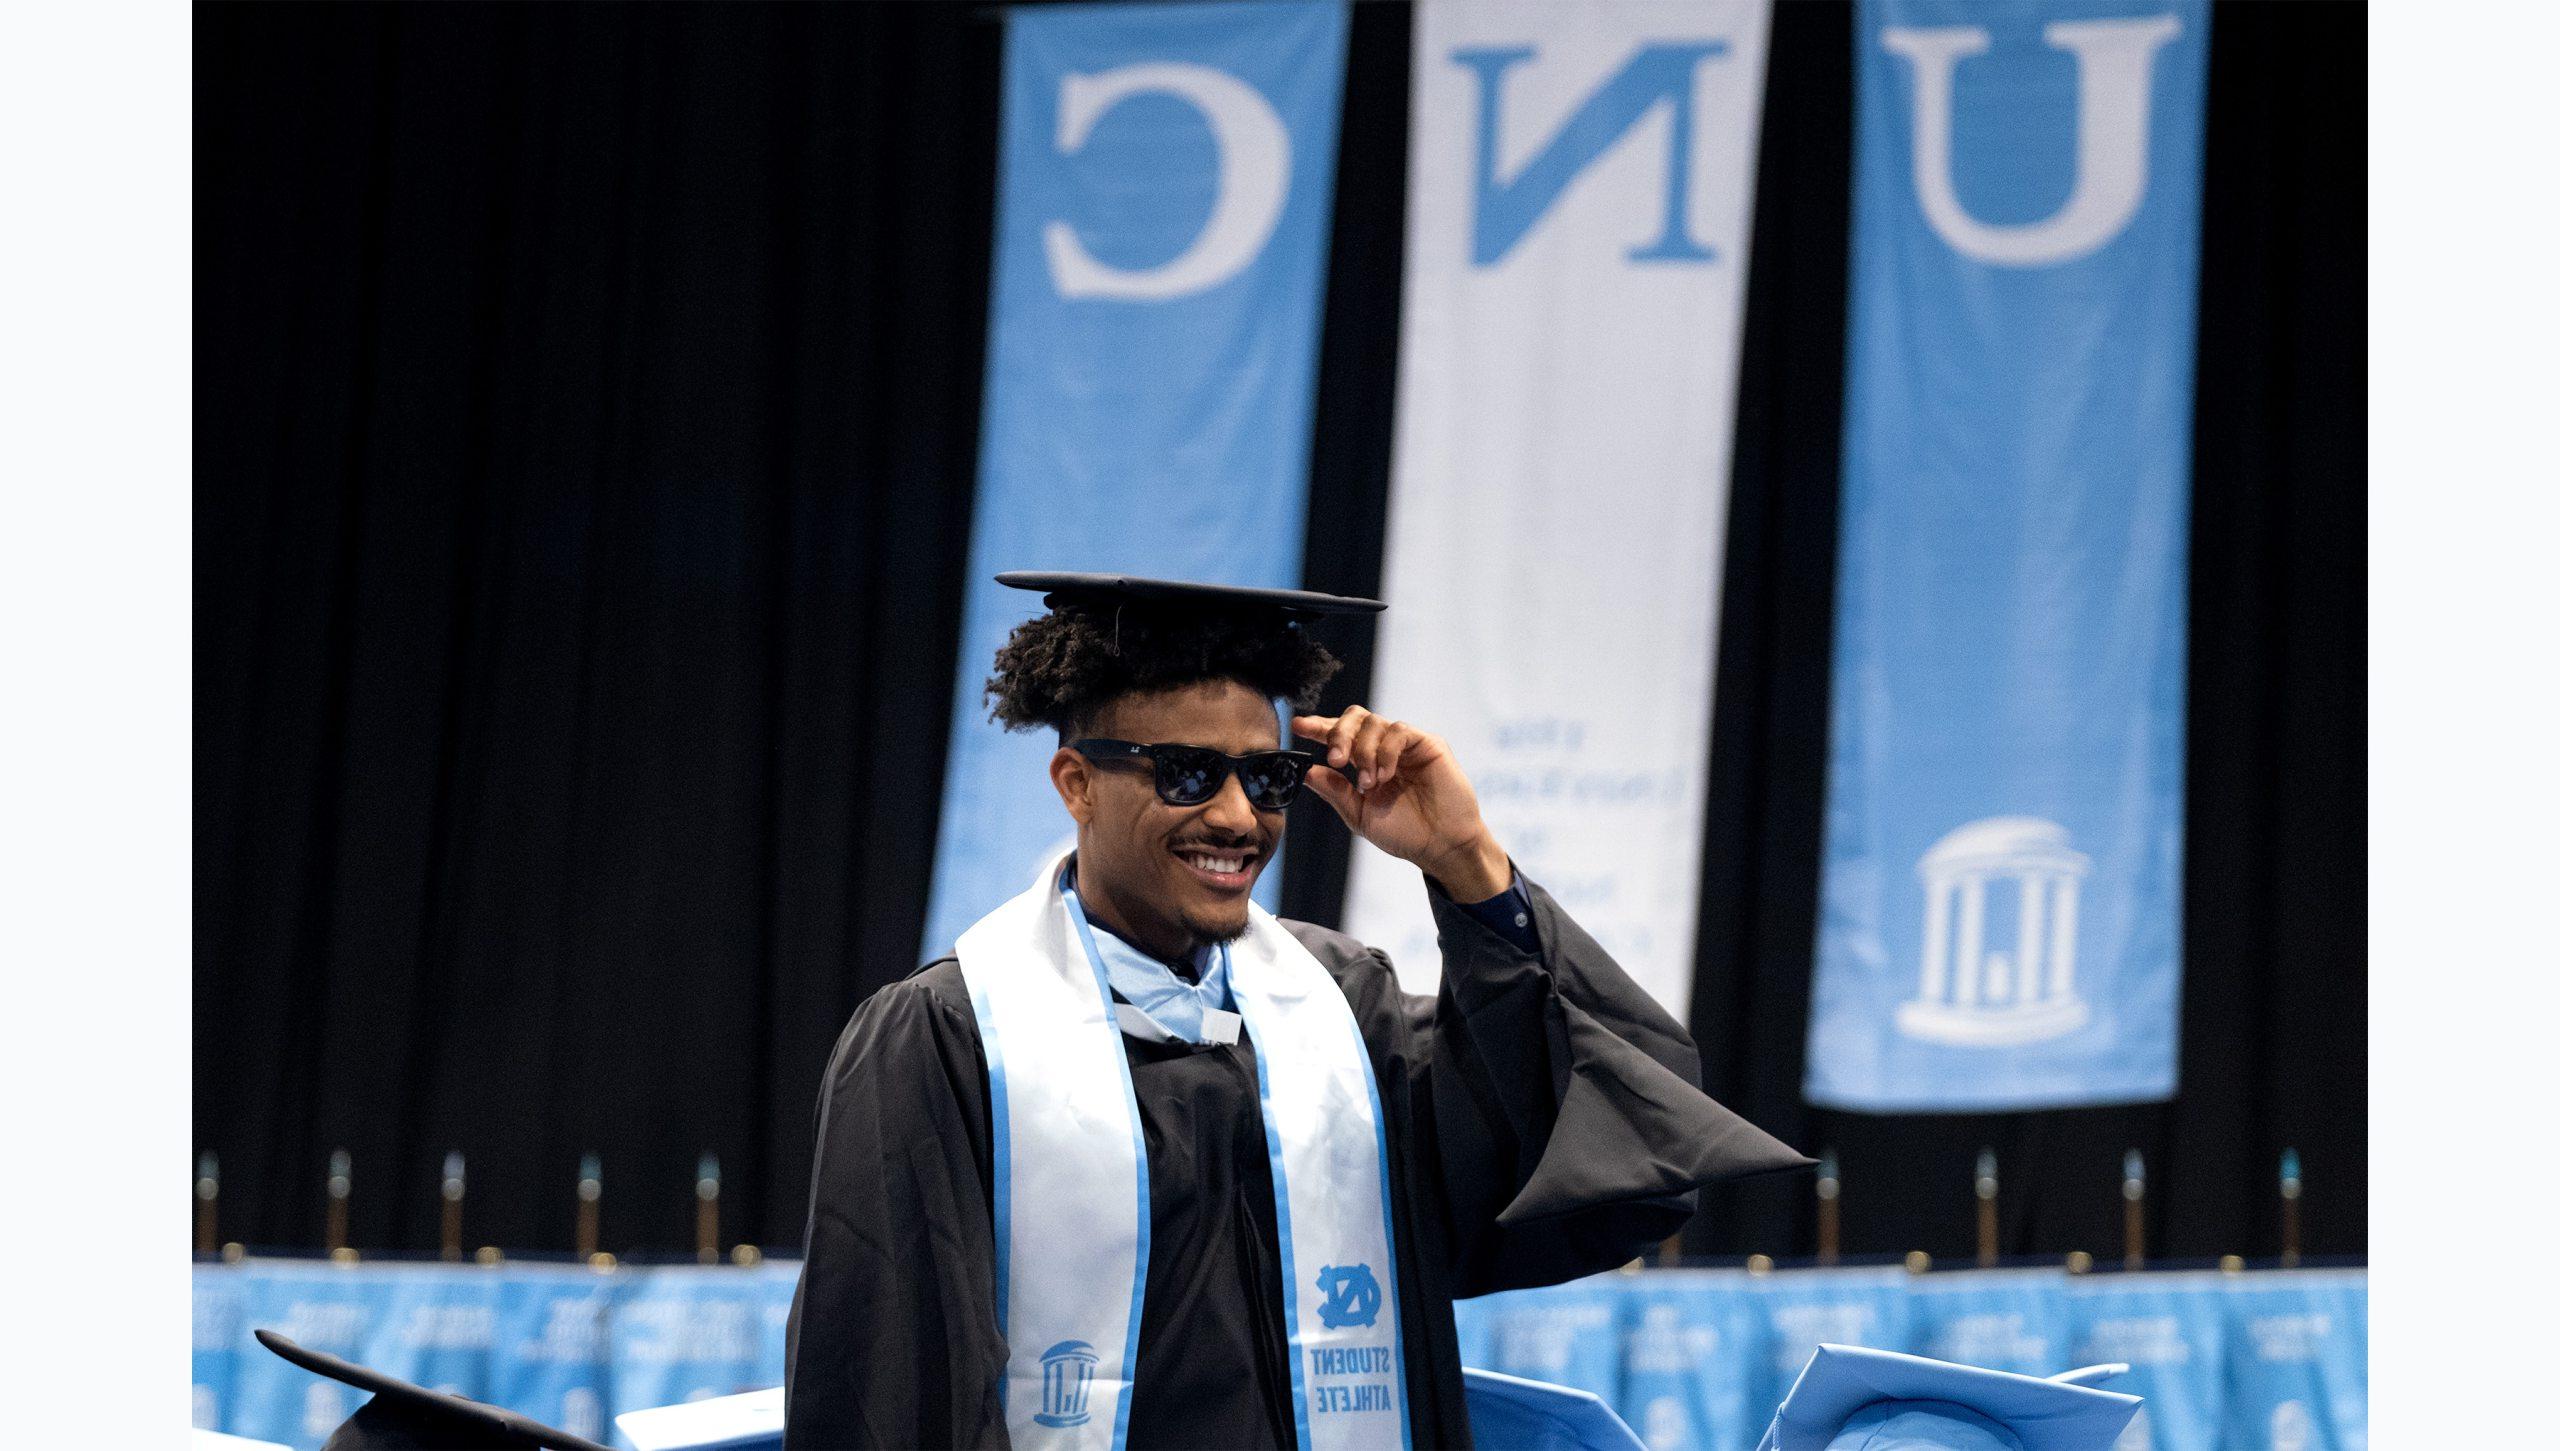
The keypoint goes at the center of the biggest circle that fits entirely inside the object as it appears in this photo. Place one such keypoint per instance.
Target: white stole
(1071, 1206)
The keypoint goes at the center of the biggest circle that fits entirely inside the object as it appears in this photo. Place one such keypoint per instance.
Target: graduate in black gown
(1542, 1113)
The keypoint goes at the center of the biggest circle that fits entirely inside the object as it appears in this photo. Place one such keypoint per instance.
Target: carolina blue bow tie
(1180, 1008)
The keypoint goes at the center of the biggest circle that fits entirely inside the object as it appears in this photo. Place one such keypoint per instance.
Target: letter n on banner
(1579, 217)
(1164, 199)
(2003, 832)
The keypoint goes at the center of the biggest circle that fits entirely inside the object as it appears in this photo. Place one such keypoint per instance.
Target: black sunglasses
(1190, 775)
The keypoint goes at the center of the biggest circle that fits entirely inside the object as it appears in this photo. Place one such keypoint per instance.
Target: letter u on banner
(2003, 832)
(1164, 197)
(1579, 219)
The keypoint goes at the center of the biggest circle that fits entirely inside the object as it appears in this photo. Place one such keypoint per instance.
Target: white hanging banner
(1578, 223)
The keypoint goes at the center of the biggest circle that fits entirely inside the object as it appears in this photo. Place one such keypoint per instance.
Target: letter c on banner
(1253, 180)
(2115, 136)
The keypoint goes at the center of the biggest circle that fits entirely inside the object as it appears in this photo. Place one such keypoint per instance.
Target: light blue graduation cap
(1854, 1399)
(750, 1422)
(1508, 1413)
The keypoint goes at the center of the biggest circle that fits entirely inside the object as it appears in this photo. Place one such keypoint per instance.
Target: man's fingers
(1361, 740)
(1418, 749)
(1334, 791)
(1391, 737)
(1370, 749)
(1346, 736)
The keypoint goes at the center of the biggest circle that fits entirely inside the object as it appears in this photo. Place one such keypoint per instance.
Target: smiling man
(1142, 1165)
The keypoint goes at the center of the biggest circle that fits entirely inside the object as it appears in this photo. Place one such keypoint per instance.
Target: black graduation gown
(1543, 1117)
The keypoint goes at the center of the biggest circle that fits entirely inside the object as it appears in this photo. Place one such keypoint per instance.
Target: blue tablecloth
(1696, 1360)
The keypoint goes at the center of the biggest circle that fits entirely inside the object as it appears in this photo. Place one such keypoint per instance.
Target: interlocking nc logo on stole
(1350, 1296)
(1066, 1376)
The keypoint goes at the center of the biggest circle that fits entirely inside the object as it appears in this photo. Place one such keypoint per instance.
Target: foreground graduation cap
(402, 1416)
(749, 1422)
(1507, 1413)
(1854, 1399)
(1290, 605)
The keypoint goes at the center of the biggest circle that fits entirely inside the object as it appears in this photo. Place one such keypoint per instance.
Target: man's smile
(1225, 869)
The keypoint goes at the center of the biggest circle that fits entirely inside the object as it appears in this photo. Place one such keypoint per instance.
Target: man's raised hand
(1399, 788)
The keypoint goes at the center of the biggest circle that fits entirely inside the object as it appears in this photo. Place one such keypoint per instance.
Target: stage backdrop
(2000, 905)
(1577, 235)
(1167, 188)
(586, 449)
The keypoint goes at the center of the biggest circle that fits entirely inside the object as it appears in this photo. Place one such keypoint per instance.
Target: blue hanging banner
(1693, 1340)
(777, 1284)
(2169, 1328)
(2296, 1362)
(555, 1346)
(1693, 1359)
(2012, 1320)
(1565, 1334)
(219, 1292)
(1474, 1321)
(684, 1333)
(1163, 207)
(1871, 1308)
(319, 1306)
(2003, 835)
(438, 1327)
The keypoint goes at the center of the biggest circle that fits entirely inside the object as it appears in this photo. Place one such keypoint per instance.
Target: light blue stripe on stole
(1299, 1397)
(1146, 1212)
(1387, 1213)
(998, 1116)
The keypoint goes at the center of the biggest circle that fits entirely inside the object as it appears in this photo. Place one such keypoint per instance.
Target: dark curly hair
(1062, 669)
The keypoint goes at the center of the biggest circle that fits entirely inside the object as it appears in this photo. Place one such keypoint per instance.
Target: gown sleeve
(892, 1338)
(1559, 1103)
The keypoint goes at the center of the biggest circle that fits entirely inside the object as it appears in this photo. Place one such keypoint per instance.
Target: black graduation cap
(1289, 605)
(404, 1417)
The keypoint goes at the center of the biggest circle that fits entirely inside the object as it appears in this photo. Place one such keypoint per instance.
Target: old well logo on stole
(1999, 936)
(1350, 1296)
(1066, 1376)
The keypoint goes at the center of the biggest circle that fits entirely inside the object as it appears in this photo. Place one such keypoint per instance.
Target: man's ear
(1072, 774)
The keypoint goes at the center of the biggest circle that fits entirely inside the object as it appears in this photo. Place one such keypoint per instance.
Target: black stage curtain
(587, 428)
(588, 412)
